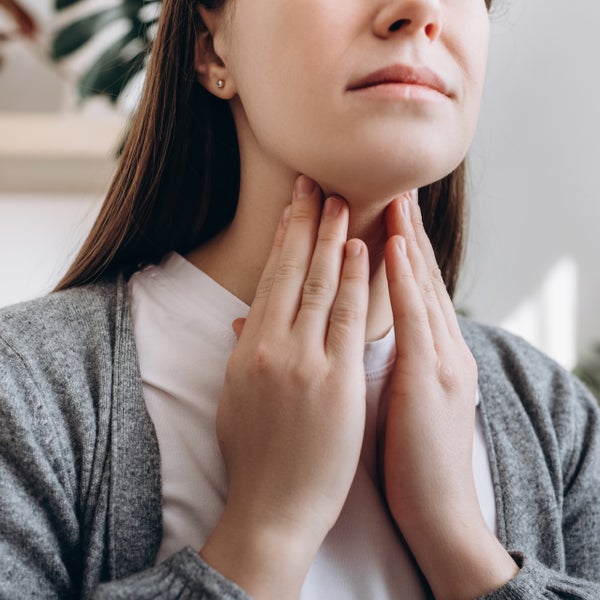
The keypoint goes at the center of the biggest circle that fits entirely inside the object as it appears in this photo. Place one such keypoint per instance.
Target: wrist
(265, 559)
(460, 557)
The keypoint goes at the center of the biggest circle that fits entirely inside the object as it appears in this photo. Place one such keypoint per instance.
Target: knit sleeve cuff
(536, 580)
(182, 576)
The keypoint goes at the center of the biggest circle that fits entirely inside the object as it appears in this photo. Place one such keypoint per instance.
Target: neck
(235, 258)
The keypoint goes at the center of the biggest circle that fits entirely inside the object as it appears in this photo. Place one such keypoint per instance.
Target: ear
(211, 67)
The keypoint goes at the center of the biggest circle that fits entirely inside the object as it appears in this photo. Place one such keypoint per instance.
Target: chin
(380, 179)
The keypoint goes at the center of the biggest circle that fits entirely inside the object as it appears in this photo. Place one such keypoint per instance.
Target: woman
(347, 458)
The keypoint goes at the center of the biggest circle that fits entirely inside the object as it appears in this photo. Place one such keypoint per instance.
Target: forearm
(460, 558)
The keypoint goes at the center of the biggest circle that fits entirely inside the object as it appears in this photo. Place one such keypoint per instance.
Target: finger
(323, 278)
(392, 215)
(411, 320)
(428, 252)
(255, 316)
(295, 256)
(347, 324)
(399, 217)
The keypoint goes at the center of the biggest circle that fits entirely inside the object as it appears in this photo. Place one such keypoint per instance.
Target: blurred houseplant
(588, 370)
(116, 64)
(20, 16)
(24, 23)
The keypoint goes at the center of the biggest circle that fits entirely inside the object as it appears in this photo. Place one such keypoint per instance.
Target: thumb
(238, 326)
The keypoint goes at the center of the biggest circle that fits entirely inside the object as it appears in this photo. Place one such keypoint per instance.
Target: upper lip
(417, 75)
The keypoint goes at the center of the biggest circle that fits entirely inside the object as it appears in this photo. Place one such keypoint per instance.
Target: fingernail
(401, 245)
(353, 248)
(333, 206)
(304, 186)
(414, 195)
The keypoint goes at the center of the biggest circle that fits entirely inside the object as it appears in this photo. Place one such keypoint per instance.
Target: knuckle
(264, 288)
(288, 268)
(355, 276)
(305, 373)
(447, 376)
(262, 360)
(317, 286)
(436, 273)
(402, 278)
(428, 288)
(303, 215)
(345, 313)
(329, 237)
(454, 376)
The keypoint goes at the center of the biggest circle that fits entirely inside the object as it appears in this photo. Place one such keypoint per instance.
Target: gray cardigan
(80, 493)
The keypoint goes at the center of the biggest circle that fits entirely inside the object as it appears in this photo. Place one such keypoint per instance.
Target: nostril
(430, 30)
(399, 24)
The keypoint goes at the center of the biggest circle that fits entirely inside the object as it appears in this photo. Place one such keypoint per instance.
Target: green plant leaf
(112, 71)
(61, 4)
(114, 68)
(76, 34)
(588, 370)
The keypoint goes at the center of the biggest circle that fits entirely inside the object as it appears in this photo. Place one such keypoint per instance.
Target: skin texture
(286, 67)
(303, 341)
(289, 66)
(322, 278)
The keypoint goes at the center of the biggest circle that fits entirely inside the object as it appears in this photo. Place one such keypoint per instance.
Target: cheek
(471, 52)
(279, 74)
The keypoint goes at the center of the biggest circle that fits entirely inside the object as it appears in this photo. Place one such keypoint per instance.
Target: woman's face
(305, 96)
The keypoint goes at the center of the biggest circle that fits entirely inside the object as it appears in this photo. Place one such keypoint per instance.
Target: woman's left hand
(428, 443)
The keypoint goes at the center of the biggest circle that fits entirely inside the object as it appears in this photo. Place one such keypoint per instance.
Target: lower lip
(402, 91)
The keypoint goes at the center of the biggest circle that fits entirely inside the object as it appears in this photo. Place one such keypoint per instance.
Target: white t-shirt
(182, 321)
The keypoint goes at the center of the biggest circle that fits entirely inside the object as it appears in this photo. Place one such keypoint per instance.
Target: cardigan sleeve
(580, 579)
(38, 523)
(183, 576)
(43, 550)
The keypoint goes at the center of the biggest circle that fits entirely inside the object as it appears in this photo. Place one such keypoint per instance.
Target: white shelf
(50, 153)
(57, 136)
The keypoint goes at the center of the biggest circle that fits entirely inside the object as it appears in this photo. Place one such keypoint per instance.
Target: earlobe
(211, 70)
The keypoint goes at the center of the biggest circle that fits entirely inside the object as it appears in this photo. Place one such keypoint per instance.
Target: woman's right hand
(291, 416)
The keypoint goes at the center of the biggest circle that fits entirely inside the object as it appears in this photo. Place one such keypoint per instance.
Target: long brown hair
(177, 181)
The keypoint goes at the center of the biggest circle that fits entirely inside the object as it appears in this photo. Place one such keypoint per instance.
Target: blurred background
(532, 264)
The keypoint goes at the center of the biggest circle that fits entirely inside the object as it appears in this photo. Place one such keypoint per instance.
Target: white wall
(54, 165)
(536, 203)
(38, 234)
(533, 254)
(47, 202)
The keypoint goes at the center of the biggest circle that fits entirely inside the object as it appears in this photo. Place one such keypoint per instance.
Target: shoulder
(505, 359)
(56, 363)
(57, 339)
(528, 396)
(64, 317)
(497, 349)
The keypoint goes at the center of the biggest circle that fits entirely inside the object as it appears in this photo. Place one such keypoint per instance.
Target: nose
(410, 17)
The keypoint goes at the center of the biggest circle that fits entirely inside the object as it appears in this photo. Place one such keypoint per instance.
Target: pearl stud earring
(220, 83)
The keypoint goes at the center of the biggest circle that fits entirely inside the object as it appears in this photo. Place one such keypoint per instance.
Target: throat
(236, 257)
